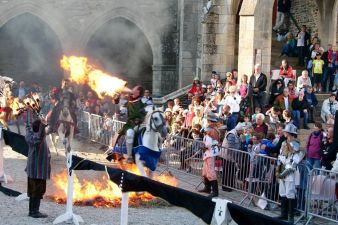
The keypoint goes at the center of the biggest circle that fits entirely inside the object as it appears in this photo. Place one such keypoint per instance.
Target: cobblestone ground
(15, 213)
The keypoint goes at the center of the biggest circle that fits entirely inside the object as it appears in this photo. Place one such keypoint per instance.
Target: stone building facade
(236, 33)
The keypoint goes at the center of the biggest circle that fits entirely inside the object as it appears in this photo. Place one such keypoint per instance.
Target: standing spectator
(198, 117)
(235, 74)
(303, 38)
(22, 90)
(273, 116)
(328, 152)
(232, 140)
(313, 146)
(286, 72)
(177, 104)
(312, 102)
(277, 88)
(196, 83)
(300, 108)
(189, 117)
(329, 68)
(303, 80)
(245, 100)
(284, 101)
(284, 7)
(213, 80)
(233, 100)
(317, 68)
(316, 49)
(38, 166)
(258, 82)
(259, 126)
(243, 88)
(329, 108)
(290, 156)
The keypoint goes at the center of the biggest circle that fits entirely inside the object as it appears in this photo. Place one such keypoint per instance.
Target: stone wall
(305, 14)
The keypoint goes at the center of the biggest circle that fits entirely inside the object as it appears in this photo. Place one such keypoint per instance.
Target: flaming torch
(83, 73)
(32, 103)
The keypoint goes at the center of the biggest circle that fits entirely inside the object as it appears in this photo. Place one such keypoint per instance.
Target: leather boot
(284, 209)
(36, 206)
(207, 186)
(214, 187)
(292, 207)
(30, 206)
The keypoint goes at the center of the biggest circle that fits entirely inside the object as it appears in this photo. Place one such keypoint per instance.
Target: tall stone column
(218, 40)
(327, 27)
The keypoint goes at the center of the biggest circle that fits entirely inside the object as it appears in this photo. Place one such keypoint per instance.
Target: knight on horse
(136, 114)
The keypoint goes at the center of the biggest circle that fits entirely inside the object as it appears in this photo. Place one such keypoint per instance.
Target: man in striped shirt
(38, 166)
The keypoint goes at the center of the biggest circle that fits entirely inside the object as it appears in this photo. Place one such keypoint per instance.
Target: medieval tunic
(208, 170)
(38, 162)
(136, 114)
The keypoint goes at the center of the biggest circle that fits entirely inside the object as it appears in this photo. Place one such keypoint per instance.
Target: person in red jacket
(286, 72)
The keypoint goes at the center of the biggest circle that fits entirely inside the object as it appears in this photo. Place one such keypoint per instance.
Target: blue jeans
(296, 114)
(314, 163)
(328, 76)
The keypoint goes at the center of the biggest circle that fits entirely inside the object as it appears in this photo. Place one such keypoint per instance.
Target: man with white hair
(258, 82)
(259, 125)
(232, 140)
(329, 108)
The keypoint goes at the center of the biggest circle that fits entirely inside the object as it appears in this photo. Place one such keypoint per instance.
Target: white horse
(149, 140)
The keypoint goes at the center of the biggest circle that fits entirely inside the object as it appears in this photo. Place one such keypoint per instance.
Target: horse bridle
(157, 128)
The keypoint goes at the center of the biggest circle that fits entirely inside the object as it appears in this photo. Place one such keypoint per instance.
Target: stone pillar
(327, 27)
(218, 40)
(165, 79)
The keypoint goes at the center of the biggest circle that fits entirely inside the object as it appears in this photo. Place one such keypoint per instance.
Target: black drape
(16, 141)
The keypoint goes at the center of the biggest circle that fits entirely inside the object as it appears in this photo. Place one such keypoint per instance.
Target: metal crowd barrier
(322, 198)
(97, 128)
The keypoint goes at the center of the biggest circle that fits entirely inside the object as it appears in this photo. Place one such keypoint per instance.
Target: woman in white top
(303, 81)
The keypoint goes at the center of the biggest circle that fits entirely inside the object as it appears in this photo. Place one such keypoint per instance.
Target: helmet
(290, 128)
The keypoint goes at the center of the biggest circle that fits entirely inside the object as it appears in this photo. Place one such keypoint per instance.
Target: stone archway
(30, 51)
(143, 24)
(45, 12)
(121, 48)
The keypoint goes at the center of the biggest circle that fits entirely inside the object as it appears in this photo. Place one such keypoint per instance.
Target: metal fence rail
(322, 198)
(248, 173)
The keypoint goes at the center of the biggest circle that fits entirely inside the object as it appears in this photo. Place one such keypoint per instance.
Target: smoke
(30, 51)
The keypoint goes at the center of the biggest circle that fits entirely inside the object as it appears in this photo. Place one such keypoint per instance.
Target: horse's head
(157, 122)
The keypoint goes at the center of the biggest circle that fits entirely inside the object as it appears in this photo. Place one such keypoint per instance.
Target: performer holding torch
(290, 155)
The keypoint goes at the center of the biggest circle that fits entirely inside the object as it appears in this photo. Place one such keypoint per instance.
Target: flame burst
(83, 73)
(103, 192)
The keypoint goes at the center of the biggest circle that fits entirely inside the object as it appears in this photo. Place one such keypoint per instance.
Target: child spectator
(189, 117)
(243, 88)
(317, 69)
(273, 116)
(267, 144)
(177, 104)
(213, 80)
(313, 146)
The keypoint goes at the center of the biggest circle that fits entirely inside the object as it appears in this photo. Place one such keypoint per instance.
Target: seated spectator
(277, 88)
(290, 47)
(328, 153)
(313, 146)
(219, 86)
(210, 92)
(300, 108)
(273, 117)
(260, 126)
(329, 108)
(286, 72)
(177, 104)
(230, 78)
(287, 117)
(292, 90)
(303, 80)
(312, 101)
(195, 83)
(257, 111)
(196, 102)
(284, 101)
(228, 119)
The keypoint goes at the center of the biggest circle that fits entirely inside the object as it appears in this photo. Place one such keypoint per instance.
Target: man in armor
(136, 114)
(290, 155)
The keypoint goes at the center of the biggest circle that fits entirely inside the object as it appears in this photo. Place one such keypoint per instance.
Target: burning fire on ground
(83, 73)
(102, 192)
